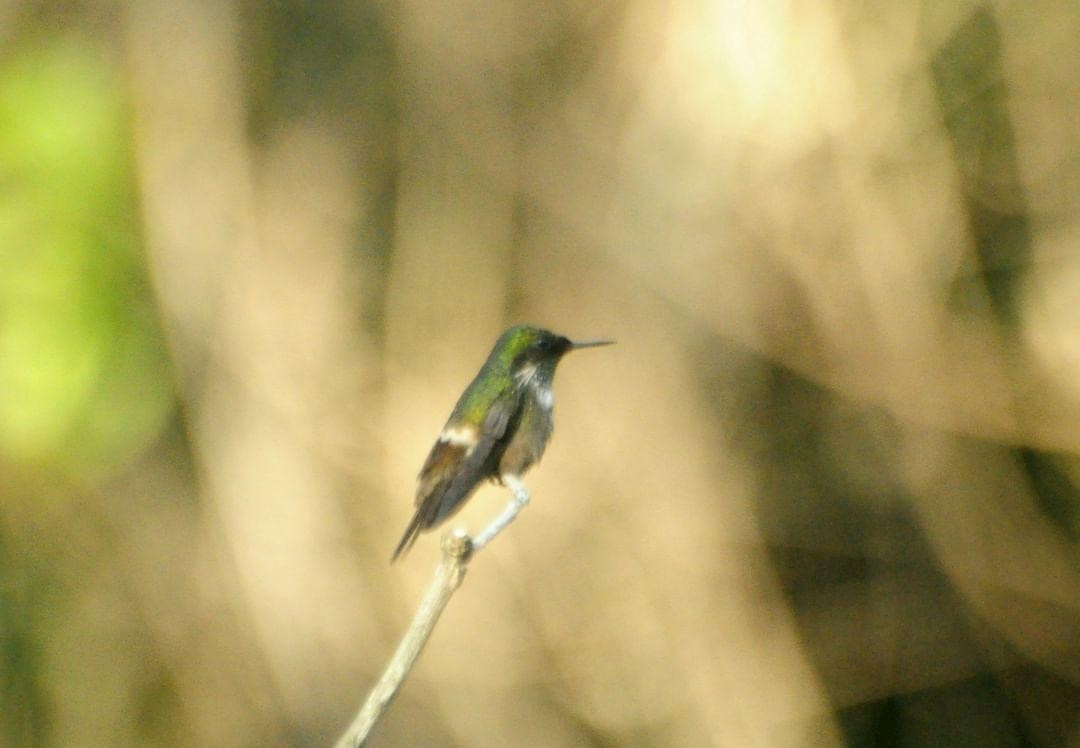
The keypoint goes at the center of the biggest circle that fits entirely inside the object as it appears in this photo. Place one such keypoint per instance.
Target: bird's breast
(527, 444)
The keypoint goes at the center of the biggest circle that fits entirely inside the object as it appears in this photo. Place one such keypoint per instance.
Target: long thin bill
(574, 345)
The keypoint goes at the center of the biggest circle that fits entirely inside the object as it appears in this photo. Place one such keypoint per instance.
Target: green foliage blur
(84, 376)
(84, 380)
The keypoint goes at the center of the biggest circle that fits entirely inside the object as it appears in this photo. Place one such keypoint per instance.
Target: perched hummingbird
(498, 429)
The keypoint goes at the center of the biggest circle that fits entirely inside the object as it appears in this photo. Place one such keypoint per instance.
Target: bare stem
(457, 550)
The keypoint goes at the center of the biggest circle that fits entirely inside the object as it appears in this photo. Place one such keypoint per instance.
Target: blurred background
(824, 492)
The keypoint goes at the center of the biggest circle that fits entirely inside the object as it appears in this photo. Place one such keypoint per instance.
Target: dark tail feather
(426, 517)
(411, 533)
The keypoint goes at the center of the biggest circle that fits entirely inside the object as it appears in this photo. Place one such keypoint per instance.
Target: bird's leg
(520, 497)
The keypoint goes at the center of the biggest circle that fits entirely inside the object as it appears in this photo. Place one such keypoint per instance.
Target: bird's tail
(411, 533)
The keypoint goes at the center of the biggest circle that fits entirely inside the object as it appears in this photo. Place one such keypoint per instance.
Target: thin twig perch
(458, 550)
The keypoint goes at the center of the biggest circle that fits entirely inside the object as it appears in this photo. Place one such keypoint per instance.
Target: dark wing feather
(451, 472)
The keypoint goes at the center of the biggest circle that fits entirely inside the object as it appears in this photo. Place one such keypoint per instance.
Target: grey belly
(527, 445)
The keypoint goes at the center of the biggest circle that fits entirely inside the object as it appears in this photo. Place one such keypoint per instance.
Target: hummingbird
(498, 429)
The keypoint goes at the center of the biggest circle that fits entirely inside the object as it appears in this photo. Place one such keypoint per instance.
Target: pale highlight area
(459, 436)
(1054, 319)
(249, 260)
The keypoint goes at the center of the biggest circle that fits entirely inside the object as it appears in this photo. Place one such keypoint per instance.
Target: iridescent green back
(495, 378)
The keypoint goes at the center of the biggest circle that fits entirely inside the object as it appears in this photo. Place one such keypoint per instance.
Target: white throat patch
(525, 374)
(545, 396)
(526, 377)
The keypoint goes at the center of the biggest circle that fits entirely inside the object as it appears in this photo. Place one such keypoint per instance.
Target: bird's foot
(518, 490)
(520, 498)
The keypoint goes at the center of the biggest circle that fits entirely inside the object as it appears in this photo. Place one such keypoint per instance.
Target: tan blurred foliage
(822, 492)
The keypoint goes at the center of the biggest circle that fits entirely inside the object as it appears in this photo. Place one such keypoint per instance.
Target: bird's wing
(457, 463)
